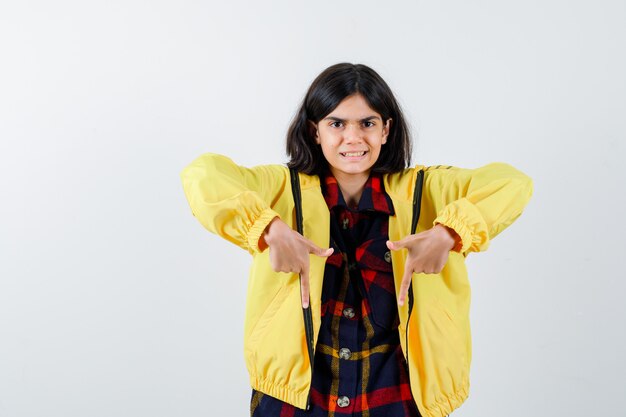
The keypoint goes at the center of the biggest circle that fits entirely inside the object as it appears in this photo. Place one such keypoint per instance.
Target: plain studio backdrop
(115, 301)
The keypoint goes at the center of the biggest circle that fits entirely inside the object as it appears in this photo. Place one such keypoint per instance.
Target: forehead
(354, 107)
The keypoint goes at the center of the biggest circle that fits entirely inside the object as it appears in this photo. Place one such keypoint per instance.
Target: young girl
(363, 351)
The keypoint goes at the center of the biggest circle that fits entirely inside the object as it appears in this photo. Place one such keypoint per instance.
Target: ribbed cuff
(257, 228)
(447, 218)
(458, 242)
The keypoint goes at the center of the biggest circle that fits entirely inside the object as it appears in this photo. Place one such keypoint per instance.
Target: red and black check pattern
(359, 369)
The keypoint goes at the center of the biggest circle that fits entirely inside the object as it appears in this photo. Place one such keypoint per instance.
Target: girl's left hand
(428, 253)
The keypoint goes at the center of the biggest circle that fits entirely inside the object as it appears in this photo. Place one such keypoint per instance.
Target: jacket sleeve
(480, 203)
(230, 200)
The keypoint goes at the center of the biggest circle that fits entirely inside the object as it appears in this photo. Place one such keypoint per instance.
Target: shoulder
(400, 185)
(307, 181)
(224, 164)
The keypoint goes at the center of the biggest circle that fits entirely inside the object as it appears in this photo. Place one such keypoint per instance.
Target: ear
(314, 131)
(386, 130)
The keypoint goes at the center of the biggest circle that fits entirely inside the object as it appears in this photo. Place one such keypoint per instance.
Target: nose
(353, 133)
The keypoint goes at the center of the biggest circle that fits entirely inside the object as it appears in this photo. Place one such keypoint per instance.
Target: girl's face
(351, 137)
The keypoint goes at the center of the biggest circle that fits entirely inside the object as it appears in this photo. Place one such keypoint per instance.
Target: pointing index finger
(304, 285)
(404, 286)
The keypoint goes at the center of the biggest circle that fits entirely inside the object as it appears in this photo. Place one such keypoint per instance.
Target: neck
(351, 186)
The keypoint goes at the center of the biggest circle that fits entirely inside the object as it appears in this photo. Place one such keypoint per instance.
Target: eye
(369, 123)
(334, 123)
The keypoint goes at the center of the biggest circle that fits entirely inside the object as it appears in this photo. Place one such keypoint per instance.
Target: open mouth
(352, 154)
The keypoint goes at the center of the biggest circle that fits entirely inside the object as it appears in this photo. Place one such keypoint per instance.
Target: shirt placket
(348, 331)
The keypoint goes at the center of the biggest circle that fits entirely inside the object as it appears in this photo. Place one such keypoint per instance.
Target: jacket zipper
(417, 199)
(306, 312)
(308, 330)
(406, 335)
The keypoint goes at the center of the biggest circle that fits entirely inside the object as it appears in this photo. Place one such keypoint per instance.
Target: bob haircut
(333, 85)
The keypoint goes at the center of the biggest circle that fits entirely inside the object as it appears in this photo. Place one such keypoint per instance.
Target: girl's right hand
(289, 252)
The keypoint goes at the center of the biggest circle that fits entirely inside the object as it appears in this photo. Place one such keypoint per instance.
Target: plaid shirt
(359, 368)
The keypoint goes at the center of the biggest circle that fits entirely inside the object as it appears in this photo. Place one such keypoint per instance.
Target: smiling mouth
(353, 154)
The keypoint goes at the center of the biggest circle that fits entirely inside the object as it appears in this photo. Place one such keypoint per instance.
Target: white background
(114, 301)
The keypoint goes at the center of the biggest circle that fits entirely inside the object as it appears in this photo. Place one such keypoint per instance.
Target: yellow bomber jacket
(238, 202)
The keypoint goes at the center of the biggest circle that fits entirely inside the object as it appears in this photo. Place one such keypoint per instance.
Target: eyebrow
(337, 119)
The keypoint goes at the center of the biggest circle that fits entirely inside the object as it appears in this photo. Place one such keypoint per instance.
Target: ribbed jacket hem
(281, 392)
(446, 405)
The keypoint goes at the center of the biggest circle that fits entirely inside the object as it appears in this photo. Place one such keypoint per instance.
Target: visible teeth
(354, 153)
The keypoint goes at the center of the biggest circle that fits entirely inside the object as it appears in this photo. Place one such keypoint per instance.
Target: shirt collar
(373, 198)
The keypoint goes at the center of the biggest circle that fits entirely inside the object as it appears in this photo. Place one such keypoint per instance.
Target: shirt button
(343, 401)
(388, 257)
(352, 266)
(345, 223)
(348, 312)
(344, 353)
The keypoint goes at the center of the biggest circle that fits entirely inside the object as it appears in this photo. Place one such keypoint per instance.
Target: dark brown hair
(333, 85)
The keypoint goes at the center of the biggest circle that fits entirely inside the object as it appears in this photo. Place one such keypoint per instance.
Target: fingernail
(305, 304)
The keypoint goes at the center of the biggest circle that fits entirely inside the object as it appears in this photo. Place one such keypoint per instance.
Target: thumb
(316, 250)
(397, 245)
